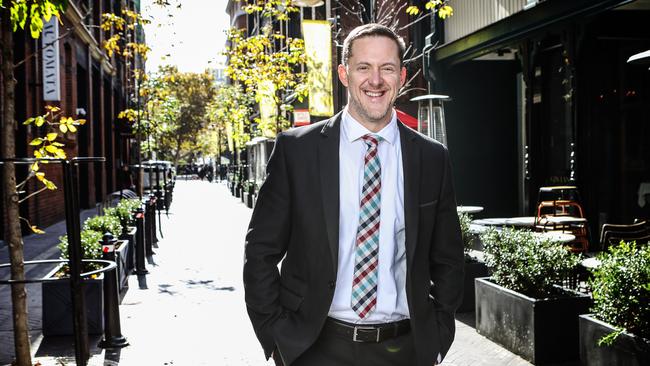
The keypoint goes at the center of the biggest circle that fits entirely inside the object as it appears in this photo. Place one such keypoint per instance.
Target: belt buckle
(358, 327)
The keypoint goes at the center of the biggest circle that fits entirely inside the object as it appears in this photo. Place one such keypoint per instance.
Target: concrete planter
(628, 349)
(541, 331)
(473, 270)
(57, 306)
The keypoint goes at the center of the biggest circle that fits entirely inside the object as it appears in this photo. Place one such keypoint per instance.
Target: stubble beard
(372, 118)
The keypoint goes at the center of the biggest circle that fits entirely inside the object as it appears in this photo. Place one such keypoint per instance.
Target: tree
(268, 64)
(17, 14)
(176, 112)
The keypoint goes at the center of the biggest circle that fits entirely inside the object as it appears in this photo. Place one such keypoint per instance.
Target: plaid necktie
(366, 259)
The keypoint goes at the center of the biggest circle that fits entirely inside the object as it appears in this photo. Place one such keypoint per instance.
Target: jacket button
(331, 284)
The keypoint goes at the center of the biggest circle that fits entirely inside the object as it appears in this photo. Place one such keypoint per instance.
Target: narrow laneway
(192, 310)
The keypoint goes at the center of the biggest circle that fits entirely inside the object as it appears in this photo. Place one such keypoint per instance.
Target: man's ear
(402, 76)
(343, 75)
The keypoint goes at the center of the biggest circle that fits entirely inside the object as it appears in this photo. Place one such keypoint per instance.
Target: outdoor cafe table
(469, 209)
(518, 222)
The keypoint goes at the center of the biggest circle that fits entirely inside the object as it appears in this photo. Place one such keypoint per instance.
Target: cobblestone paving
(189, 310)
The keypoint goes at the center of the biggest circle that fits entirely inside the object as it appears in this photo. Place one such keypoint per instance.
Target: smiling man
(361, 211)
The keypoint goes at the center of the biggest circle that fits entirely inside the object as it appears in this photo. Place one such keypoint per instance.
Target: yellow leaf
(58, 144)
(51, 149)
(37, 141)
(63, 128)
(39, 121)
(49, 184)
(37, 154)
(412, 10)
(72, 128)
(29, 120)
(81, 122)
(60, 154)
(36, 230)
(52, 136)
(445, 12)
(34, 167)
(40, 176)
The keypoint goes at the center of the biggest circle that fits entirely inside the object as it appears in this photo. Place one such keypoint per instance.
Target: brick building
(91, 86)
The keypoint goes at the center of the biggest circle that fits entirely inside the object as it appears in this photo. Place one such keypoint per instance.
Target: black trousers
(333, 350)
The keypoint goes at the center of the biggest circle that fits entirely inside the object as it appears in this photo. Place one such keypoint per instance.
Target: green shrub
(522, 262)
(465, 220)
(104, 224)
(621, 290)
(90, 245)
(129, 204)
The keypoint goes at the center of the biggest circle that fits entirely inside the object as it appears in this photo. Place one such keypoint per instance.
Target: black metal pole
(75, 253)
(140, 267)
(113, 337)
(149, 218)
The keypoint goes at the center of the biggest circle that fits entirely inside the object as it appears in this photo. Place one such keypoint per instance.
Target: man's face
(373, 77)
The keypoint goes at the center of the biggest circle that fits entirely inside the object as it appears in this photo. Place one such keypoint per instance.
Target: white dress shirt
(391, 291)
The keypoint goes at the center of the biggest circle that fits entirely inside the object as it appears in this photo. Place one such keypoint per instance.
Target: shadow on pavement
(62, 347)
(468, 318)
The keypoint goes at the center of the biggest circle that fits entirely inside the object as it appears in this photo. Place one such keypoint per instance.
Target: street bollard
(140, 267)
(149, 218)
(113, 337)
(153, 201)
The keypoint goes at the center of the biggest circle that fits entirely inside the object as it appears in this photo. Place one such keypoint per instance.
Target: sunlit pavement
(189, 310)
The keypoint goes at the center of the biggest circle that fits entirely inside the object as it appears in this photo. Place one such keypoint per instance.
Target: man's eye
(388, 69)
(362, 68)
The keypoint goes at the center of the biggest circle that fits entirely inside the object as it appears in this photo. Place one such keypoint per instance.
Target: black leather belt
(374, 333)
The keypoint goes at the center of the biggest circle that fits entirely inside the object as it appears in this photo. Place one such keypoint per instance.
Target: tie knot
(371, 140)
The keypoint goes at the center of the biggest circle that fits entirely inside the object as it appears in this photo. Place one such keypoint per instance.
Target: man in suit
(361, 211)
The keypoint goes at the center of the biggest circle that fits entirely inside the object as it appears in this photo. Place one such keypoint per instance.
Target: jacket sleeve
(266, 244)
(446, 259)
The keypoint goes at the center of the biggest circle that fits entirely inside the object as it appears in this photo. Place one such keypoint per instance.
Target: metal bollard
(154, 238)
(140, 267)
(113, 337)
(149, 218)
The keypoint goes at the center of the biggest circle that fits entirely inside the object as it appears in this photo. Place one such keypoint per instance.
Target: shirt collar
(353, 130)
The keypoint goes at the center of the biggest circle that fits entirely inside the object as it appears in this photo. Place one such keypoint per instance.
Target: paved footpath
(189, 310)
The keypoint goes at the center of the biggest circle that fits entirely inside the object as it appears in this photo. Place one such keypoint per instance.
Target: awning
(407, 119)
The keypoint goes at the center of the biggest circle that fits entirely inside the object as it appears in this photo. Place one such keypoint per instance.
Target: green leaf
(28, 120)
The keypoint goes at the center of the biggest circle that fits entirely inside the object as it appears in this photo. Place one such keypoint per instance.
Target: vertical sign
(51, 77)
(318, 40)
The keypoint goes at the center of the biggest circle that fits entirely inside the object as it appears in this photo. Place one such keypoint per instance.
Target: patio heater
(431, 116)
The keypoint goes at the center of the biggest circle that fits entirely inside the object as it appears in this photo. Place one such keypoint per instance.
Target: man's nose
(375, 77)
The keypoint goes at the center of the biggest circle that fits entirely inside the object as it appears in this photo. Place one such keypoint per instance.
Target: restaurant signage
(51, 67)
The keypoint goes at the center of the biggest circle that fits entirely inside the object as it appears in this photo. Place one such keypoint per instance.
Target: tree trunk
(13, 235)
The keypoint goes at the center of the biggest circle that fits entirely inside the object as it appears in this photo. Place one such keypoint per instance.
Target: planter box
(122, 252)
(627, 350)
(473, 270)
(540, 330)
(130, 256)
(57, 306)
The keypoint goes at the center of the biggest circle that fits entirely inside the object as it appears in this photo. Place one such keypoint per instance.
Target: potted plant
(57, 302)
(618, 330)
(474, 267)
(111, 224)
(521, 306)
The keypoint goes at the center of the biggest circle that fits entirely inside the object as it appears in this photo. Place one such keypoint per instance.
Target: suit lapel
(328, 160)
(411, 166)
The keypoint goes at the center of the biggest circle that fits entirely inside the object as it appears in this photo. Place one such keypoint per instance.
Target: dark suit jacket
(296, 218)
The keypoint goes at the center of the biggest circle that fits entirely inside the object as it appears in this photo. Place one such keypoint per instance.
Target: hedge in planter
(57, 305)
(473, 267)
(618, 332)
(522, 307)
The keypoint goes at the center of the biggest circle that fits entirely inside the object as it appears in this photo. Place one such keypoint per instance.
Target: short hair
(372, 30)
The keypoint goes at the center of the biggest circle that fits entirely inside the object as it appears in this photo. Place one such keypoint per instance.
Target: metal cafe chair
(612, 234)
(558, 209)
